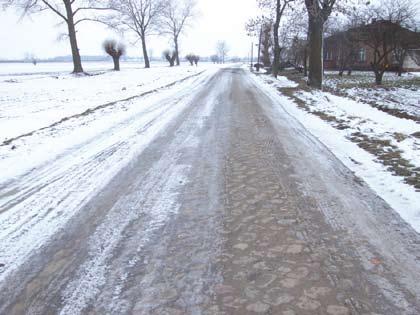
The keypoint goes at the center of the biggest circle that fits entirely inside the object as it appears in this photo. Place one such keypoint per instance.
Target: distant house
(354, 48)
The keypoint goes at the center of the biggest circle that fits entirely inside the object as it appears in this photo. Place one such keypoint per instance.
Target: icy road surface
(206, 198)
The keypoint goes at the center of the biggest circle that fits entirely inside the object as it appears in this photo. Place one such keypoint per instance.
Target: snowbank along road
(206, 198)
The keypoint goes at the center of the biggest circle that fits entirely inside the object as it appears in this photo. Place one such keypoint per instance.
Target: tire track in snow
(94, 109)
(28, 225)
(151, 199)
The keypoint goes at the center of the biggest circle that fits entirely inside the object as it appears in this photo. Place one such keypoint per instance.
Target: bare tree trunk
(378, 76)
(316, 29)
(77, 62)
(400, 55)
(145, 55)
(276, 61)
(276, 27)
(176, 50)
(400, 68)
(305, 62)
(116, 60)
(259, 49)
(342, 64)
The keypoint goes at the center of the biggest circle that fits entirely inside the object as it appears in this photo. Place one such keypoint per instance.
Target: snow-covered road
(206, 197)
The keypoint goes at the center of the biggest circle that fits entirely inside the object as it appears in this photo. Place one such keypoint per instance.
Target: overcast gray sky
(38, 34)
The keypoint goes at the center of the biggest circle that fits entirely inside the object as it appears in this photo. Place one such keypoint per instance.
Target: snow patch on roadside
(282, 82)
(368, 120)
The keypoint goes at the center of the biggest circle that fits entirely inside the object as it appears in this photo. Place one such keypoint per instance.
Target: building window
(362, 55)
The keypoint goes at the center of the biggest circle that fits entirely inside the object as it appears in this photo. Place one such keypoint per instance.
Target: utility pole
(259, 46)
(252, 55)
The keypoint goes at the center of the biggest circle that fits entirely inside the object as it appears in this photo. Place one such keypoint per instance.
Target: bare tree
(281, 6)
(266, 43)
(276, 9)
(30, 57)
(380, 37)
(385, 29)
(384, 38)
(342, 44)
(115, 50)
(214, 58)
(193, 59)
(403, 13)
(318, 13)
(296, 53)
(72, 12)
(139, 16)
(400, 53)
(347, 52)
(190, 58)
(170, 56)
(196, 59)
(295, 27)
(222, 50)
(177, 15)
(262, 28)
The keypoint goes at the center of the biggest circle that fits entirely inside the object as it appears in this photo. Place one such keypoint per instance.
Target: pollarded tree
(177, 15)
(170, 56)
(139, 16)
(190, 58)
(115, 50)
(215, 58)
(193, 59)
(72, 12)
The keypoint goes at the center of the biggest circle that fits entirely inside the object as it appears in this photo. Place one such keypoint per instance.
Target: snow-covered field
(398, 95)
(48, 115)
(379, 147)
(33, 100)
(27, 68)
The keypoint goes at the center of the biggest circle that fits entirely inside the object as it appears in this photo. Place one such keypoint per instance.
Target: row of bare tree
(141, 18)
(292, 32)
(279, 15)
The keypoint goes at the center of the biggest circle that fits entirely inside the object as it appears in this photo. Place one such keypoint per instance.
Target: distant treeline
(99, 58)
(69, 59)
